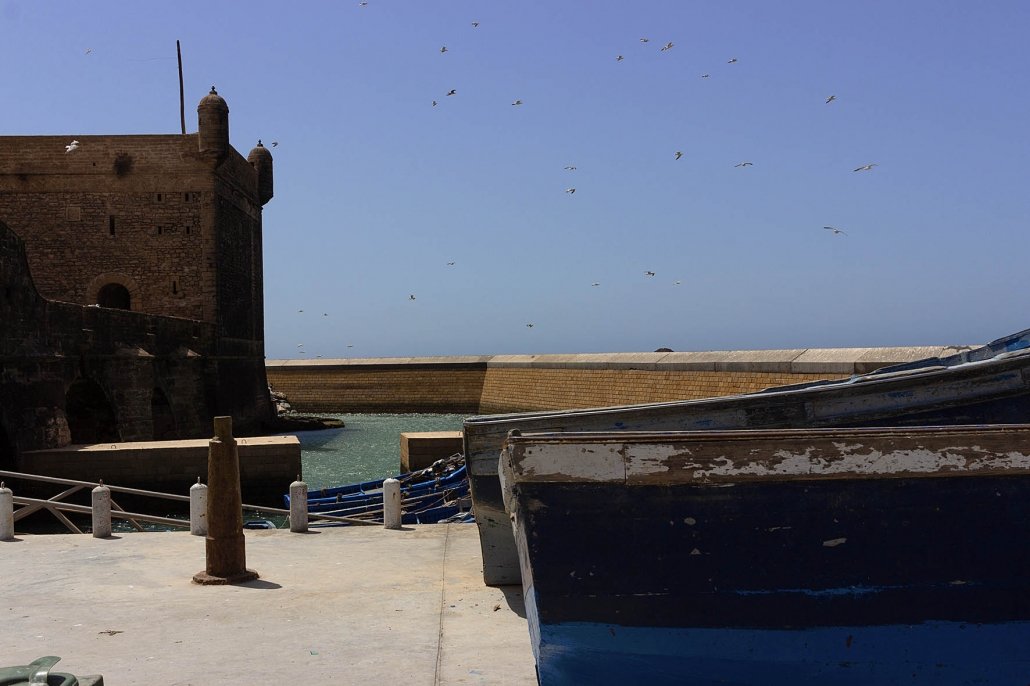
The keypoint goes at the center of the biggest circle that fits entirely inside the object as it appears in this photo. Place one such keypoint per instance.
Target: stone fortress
(131, 294)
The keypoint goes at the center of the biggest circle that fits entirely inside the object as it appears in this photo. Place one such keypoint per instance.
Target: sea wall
(515, 383)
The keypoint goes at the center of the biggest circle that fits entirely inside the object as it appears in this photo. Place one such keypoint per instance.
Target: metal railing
(57, 505)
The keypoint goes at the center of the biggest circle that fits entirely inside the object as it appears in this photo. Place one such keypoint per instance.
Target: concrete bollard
(225, 548)
(198, 509)
(101, 511)
(298, 506)
(6, 513)
(392, 504)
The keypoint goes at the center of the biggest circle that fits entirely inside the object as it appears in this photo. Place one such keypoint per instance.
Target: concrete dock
(348, 605)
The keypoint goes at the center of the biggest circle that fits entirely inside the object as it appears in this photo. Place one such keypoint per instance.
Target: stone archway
(162, 417)
(115, 290)
(91, 418)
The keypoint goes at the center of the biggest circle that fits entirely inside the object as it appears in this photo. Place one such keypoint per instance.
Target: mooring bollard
(101, 511)
(6, 513)
(225, 551)
(298, 506)
(198, 509)
(392, 504)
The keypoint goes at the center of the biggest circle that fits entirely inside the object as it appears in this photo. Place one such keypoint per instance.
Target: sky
(377, 190)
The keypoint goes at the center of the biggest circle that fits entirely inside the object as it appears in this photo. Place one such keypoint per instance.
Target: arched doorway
(115, 296)
(162, 416)
(90, 416)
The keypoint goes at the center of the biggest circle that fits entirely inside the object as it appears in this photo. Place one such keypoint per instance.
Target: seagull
(452, 92)
(411, 297)
(677, 283)
(865, 167)
(275, 144)
(732, 60)
(705, 76)
(363, 4)
(835, 231)
(596, 283)
(89, 51)
(619, 58)
(830, 99)
(678, 154)
(530, 325)
(443, 49)
(350, 345)
(434, 103)
(300, 345)
(667, 46)
(74, 145)
(570, 191)
(325, 314)
(300, 310)
(475, 24)
(644, 40)
(450, 264)
(570, 168)
(517, 102)
(649, 273)
(744, 164)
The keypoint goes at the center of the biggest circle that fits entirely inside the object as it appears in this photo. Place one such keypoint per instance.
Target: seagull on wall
(836, 231)
(866, 167)
(74, 145)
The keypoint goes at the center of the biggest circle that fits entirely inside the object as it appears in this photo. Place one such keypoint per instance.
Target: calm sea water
(367, 447)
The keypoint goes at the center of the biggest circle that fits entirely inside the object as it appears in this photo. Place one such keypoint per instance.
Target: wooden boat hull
(989, 385)
(775, 557)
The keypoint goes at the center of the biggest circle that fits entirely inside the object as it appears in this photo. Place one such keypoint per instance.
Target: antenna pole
(182, 102)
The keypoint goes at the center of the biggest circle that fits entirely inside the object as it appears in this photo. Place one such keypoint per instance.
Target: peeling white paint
(567, 461)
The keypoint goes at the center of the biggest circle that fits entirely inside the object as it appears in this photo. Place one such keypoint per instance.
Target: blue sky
(376, 190)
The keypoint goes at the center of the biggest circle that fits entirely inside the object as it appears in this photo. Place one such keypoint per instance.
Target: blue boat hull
(930, 654)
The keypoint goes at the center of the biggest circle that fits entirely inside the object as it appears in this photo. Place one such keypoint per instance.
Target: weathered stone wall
(514, 383)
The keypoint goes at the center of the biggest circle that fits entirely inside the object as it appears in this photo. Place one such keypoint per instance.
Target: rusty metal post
(224, 546)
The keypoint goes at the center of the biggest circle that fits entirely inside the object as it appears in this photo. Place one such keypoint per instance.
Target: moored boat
(822, 556)
(985, 385)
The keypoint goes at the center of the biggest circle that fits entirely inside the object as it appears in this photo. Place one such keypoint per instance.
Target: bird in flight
(830, 99)
(865, 167)
(434, 103)
(452, 92)
(363, 4)
(529, 326)
(74, 145)
(89, 51)
(570, 168)
(350, 345)
(744, 164)
(450, 264)
(517, 102)
(475, 24)
(648, 273)
(667, 46)
(731, 60)
(300, 310)
(677, 283)
(645, 40)
(443, 49)
(596, 283)
(619, 58)
(835, 231)
(411, 297)
(570, 191)
(705, 76)
(678, 154)
(325, 314)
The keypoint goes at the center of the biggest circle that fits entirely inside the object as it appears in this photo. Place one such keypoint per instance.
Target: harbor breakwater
(515, 383)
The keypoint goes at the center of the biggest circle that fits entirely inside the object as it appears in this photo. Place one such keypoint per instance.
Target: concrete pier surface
(347, 605)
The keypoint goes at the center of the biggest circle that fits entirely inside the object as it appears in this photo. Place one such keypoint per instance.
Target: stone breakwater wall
(516, 383)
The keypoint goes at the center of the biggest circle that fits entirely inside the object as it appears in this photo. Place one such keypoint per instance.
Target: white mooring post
(6, 513)
(392, 504)
(298, 506)
(198, 509)
(101, 511)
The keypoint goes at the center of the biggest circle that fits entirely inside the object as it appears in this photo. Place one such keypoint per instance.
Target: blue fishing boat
(427, 495)
(985, 385)
(793, 557)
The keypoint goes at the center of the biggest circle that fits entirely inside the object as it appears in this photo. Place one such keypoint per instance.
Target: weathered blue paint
(928, 654)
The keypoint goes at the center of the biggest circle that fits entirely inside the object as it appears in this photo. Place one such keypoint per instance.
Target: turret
(261, 159)
(213, 125)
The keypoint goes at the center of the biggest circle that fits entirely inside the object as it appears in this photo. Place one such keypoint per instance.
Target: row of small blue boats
(428, 496)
